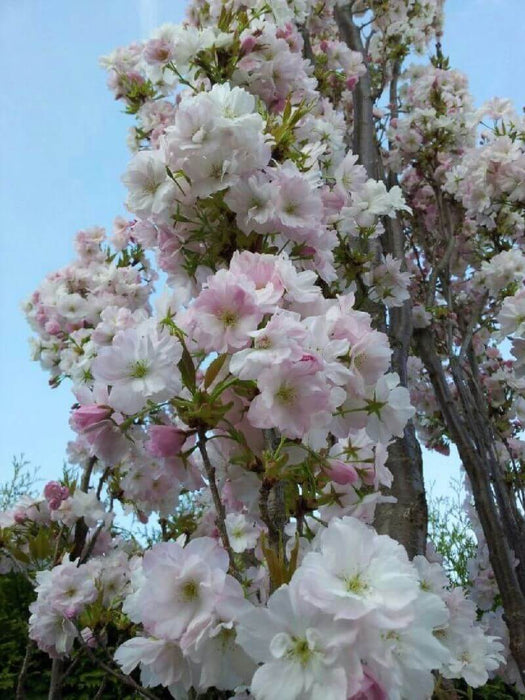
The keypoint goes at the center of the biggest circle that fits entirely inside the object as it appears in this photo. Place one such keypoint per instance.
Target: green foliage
(22, 482)
(83, 678)
(16, 595)
(495, 689)
(450, 532)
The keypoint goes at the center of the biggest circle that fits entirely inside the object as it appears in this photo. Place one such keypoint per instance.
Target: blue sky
(64, 150)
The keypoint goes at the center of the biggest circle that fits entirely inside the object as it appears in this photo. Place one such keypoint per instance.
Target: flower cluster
(250, 407)
(356, 618)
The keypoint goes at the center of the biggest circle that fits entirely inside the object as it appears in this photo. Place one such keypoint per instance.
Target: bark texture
(471, 433)
(405, 520)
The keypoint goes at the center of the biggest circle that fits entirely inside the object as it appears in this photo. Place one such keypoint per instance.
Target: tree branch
(127, 680)
(464, 430)
(20, 686)
(55, 686)
(81, 528)
(220, 511)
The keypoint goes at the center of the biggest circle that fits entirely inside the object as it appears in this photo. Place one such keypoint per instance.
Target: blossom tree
(320, 271)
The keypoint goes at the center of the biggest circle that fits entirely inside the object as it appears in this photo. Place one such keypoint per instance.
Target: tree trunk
(465, 428)
(405, 520)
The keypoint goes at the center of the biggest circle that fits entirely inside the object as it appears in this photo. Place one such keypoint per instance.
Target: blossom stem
(127, 680)
(81, 529)
(220, 520)
(20, 686)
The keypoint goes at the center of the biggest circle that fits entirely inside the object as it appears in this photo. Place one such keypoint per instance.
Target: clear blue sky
(64, 149)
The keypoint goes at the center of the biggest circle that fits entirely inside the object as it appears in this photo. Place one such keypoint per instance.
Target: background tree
(267, 388)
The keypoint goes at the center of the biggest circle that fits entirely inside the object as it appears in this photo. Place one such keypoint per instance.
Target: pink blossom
(55, 493)
(158, 51)
(225, 313)
(341, 472)
(165, 440)
(179, 585)
(294, 398)
(141, 364)
(87, 416)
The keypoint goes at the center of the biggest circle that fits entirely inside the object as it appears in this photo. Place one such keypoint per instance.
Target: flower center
(139, 369)
(190, 591)
(285, 394)
(355, 584)
(263, 343)
(151, 187)
(216, 171)
(290, 208)
(301, 651)
(229, 318)
(359, 361)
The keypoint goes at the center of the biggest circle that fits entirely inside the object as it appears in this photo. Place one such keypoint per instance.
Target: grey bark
(55, 686)
(473, 441)
(20, 686)
(405, 520)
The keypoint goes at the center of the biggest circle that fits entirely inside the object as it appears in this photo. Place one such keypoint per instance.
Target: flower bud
(165, 440)
(86, 416)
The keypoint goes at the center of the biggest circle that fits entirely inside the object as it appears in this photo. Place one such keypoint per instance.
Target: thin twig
(102, 479)
(101, 689)
(57, 553)
(81, 529)
(91, 545)
(86, 477)
(116, 674)
(220, 511)
(72, 666)
(469, 332)
(19, 566)
(20, 690)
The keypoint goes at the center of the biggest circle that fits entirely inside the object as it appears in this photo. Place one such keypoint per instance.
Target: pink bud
(310, 363)
(86, 416)
(52, 490)
(19, 517)
(143, 518)
(278, 104)
(248, 45)
(41, 317)
(352, 82)
(165, 440)
(285, 32)
(52, 327)
(341, 472)
(55, 493)
(88, 637)
(308, 250)
(135, 77)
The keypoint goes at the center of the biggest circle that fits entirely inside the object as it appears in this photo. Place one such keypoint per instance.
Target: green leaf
(19, 555)
(214, 369)
(187, 370)
(40, 546)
